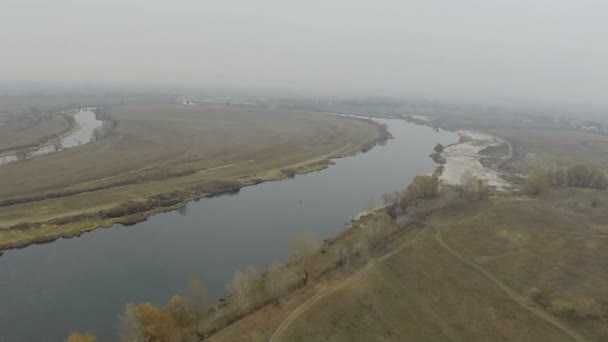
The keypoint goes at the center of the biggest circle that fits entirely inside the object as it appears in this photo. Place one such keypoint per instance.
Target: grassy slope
(538, 275)
(154, 142)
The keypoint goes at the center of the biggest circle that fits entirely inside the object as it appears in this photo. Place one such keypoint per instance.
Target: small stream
(86, 122)
(83, 284)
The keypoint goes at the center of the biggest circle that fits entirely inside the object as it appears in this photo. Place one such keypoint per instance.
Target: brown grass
(548, 252)
(160, 149)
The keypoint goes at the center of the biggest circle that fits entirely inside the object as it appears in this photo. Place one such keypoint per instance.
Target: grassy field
(29, 129)
(161, 155)
(552, 147)
(514, 268)
(511, 268)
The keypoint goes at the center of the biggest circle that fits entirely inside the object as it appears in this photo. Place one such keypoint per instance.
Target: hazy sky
(534, 49)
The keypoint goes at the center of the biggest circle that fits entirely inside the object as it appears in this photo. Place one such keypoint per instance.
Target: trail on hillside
(519, 299)
(325, 292)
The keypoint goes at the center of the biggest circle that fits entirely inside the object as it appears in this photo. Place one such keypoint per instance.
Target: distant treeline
(581, 175)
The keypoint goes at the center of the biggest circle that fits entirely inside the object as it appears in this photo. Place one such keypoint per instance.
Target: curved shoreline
(74, 226)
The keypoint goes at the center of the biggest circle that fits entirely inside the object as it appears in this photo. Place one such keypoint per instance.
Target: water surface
(84, 283)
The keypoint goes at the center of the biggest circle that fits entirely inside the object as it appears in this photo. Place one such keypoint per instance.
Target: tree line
(580, 175)
(191, 317)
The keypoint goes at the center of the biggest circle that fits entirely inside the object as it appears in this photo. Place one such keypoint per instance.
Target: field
(161, 155)
(510, 268)
(24, 129)
(555, 147)
(514, 268)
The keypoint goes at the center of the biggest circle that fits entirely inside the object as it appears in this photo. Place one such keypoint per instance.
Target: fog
(549, 50)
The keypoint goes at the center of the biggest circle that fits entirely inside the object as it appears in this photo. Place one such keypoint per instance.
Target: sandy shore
(464, 158)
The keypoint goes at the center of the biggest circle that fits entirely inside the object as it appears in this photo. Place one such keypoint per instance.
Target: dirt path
(325, 292)
(519, 299)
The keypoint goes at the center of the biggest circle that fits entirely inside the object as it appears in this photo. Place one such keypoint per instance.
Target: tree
(302, 248)
(97, 134)
(373, 231)
(78, 337)
(181, 317)
(537, 182)
(391, 201)
(449, 197)
(197, 301)
(341, 254)
(468, 185)
(243, 285)
(146, 323)
(22, 154)
(57, 145)
(423, 187)
(473, 188)
(277, 280)
(360, 247)
(439, 148)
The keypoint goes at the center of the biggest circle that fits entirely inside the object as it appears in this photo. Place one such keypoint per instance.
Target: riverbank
(208, 240)
(477, 155)
(436, 281)
(127, 213)
(45, 141)
(311, 273)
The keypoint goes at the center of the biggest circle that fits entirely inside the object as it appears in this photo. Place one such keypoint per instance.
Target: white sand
(463, 158)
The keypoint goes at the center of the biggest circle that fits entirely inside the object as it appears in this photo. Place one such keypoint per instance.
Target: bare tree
(181, 317)
(57, 145)
(243, 285)
(302, 248)
(197, 301)
(391, 203)
(423, 187)
(23, 154)
(361, 247)
(468, 185)
(537, 182)
(277, 280)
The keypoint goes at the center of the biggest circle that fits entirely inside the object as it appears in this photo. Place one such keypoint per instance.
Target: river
(83, 284)
(86, 123)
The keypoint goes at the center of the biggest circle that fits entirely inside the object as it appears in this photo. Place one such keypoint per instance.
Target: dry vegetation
(20, 130)
(157, 157)
(437, 263)
(512, 268)
(480, 268)
(552, 147)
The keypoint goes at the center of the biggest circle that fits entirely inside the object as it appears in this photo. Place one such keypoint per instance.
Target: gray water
(86, 122)
(83, 284)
